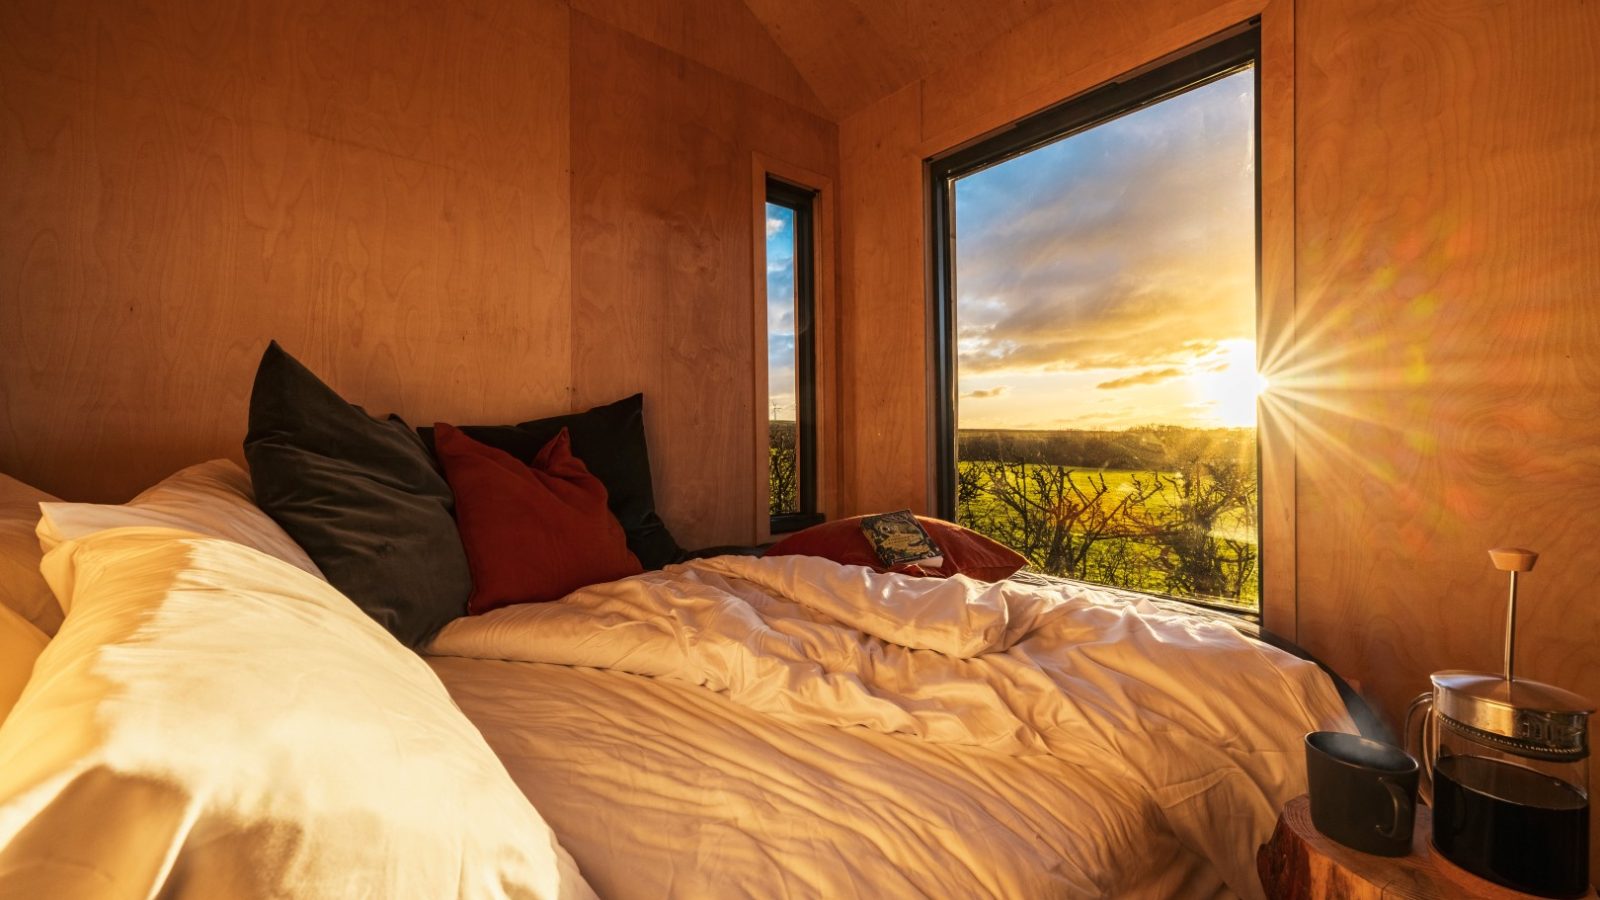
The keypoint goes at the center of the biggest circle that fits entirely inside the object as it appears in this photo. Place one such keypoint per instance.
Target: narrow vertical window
(791, 357)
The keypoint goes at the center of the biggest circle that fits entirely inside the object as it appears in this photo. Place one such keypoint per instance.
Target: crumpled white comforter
(1201, 721)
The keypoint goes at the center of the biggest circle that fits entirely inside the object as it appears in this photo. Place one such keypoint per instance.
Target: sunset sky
(1108, 280)
(780, 313)
(1103, 281)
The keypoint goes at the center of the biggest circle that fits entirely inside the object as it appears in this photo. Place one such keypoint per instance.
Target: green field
(1161, 509)
(1233, 523)
(1133, 516)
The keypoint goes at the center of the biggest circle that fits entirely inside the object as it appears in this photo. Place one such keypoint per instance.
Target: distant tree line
(1156, 448)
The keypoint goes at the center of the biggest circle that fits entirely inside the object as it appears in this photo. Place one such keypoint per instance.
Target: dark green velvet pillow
(361, 495)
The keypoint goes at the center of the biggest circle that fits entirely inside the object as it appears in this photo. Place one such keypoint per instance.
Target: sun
(1225, 382)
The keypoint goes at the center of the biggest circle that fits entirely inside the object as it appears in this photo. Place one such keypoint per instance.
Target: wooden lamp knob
(1513, 559)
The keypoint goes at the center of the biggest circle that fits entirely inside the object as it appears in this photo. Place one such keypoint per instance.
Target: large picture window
(1096, 271)
(791, 357)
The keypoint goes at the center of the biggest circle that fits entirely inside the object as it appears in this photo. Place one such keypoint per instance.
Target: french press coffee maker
(1505, 762)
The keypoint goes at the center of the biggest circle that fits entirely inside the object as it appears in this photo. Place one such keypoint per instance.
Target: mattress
(792, 728)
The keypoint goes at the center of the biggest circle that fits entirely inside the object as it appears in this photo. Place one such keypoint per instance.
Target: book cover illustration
(899, 539)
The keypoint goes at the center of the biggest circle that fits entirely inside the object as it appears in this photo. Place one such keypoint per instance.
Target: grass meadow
(1162, 509)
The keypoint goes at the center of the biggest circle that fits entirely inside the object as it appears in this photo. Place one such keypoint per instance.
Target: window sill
(791, 522)
(1244, 620)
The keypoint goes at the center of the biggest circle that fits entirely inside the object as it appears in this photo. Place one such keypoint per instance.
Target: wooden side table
(1299, 863)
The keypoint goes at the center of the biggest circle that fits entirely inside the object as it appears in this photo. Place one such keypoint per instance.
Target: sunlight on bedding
(1116, 701)
(212, 722)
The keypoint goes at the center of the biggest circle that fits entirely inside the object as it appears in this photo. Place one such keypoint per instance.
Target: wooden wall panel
(662, 242)
(388, 191)
(885, 316)
(846, 60)
(385, 193)
(856, 52)
(1449, 363)
(722, 35)
(1045, 61)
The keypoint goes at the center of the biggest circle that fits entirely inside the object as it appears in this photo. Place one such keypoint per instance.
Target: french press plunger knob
(1513, 560)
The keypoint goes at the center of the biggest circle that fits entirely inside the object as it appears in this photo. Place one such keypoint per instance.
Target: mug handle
(1402, 805)
(1421, 734)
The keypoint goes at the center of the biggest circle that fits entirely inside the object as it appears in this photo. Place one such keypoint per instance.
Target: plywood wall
(662, 279)
(1444, 377)
(385, 194)
(884, 307)
(1449, 366)
(390, 193)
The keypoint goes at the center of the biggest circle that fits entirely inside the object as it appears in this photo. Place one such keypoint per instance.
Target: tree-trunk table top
(1299, 863)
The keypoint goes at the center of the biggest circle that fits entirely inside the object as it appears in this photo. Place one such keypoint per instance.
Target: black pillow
(361, 495)
(610, 440)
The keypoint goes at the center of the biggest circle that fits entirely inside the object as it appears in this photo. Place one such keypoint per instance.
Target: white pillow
(21, 588)
(212, 498)
(20, 644)
(212, 722)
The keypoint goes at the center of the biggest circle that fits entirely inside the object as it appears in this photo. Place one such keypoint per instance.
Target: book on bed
(899, 539)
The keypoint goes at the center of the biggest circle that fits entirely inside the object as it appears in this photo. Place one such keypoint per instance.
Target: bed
(250, 695)
(733, 726)
(716, 730)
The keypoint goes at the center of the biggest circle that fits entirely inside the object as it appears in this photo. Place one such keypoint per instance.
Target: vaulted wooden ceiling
(853, 52)
(831, 57)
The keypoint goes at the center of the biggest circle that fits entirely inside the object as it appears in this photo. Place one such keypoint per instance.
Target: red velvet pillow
(966, 552)
(532, 532)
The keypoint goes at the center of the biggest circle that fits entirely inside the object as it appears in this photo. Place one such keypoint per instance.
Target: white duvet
(997, 740)
(211, 722)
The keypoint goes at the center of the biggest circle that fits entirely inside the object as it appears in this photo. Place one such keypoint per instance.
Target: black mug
(1363, 793)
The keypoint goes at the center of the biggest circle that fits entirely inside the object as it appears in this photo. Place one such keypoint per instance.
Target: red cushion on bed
(532, 532)
(966, 552)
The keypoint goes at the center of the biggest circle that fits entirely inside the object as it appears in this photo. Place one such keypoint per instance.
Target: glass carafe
(1505, 768)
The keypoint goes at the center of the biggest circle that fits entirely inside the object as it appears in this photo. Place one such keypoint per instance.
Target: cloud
(985, 393)
(780, 319)
(773, 226)
(1126, 246)
(780, 282)
(780, 350)
(1148, 376)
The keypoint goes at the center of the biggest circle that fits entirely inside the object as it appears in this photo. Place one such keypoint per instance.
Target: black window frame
(1223, 55)
(802, 201)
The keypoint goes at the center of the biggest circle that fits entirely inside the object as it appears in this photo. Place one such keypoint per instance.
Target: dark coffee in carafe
(1512, 825)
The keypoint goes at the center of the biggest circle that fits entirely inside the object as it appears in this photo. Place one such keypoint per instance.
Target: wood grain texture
(1300, 863)
(723, 35)
(839, 52)
(885, 310)
(388, 191)
(855, 52)
(1448, 215)
(1278, 431)
(662, 243)
(386, 194)
(1047, 60)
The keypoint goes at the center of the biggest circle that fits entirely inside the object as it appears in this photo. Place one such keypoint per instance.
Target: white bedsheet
(1081, 748)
